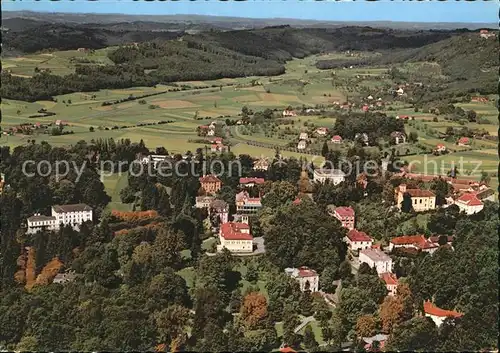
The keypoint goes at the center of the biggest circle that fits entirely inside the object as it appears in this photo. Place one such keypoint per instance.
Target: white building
(308, 279)
(391, 282)
(62, 215)
(336, 176)
(469, 203)
(302, 145)
(376, 258)
(204, 201)
(303, 136)
(235, 237)
(357, 240)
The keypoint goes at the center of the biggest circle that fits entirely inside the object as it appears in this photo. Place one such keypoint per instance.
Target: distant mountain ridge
(229, 22)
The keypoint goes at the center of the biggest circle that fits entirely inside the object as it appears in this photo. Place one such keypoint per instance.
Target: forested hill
(468, 62)
(204, 56)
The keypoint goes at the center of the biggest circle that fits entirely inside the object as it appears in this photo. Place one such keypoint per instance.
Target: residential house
(235, 237)
(438, 315)
(216, 140)
(302, 145)
(321, 131)
(418, 242)
(357, 240)
(218, 148)
(308, 279)
(335, 176)
(375, 343)
(463, 141)
(369, 97)
(337, 139)
(289, 113)
(261, 165)
(287, 349)
(484, 33)
(422, 200)
(246, 204)
(63, 278)
(469, 203)
(400, 91)
(391, 282)
(251, 182)
(220, 209)
(440, 148)
(203, 201)
(365, 108)
(479, 99)
(377, 259)
(210, 184)
(398, 137)
(346, 216)
(402, 117)
(62, 215)
(211, 132)
(303, 136)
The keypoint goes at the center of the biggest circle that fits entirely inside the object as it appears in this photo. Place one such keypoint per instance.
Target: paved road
(303, 324)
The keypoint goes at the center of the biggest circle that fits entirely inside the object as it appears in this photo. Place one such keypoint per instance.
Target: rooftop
(420, 193)
(345, 211)
(252, 180)
(375, 254)
(79, 207)
(470, 199)
(209, 179)
(356, 235)
(40, 218)
(389, 278)
(431, 309)
(234, 231)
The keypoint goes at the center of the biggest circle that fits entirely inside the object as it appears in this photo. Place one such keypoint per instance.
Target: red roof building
(418, 242)
(346, 216)
(235, 237)
(357, 240)
(440, 147)
(438, 315)
(469, 203)
(463, 141)
(391, 282)
(251, 181)
(337, 139)
(287, 349)
(210, 184)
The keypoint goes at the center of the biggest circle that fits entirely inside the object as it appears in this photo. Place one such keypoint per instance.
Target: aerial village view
(222, 176)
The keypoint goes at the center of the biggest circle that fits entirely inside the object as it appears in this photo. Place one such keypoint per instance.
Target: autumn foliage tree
(397, 309)
(366, 325)
(30, 269)
(253, 310)
(49, 271)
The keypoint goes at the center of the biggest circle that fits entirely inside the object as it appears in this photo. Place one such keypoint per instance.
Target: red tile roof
(389, 278)
(307, 272)
(420, 193)
(440, 145)
(336, 138)
(233, 231)
(431, 309)
(344, 211)
(287, 350)
(297, 201)
(209, 179)
(356, 235)
(464, 140)
(470, 199)
(418, 240)
(252, 180)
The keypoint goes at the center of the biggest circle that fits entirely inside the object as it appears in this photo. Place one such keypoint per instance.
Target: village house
(211, 132)
(365, 108)
(210, 184)
(246, 204)
(308, 279)
(261, 165)
(155, 159)
(377, 259)
(438, 315)
(402, 117)
(484, 33)
(216, 140)
(303, 136)
(219, 148)
(62, 278)
(289, 113)
(337, 139)
(370, 345)
(235, 237)
(440, 148)
(220, 209)
(203, 201)
(422, 200)
(391, 282)
(418, 242)
(357, 240)
(400, 91)
(463, 141)
(302, 145)
(346, 216)
(321, 131)
(62, 215)
(251, 182)
(335, 176)
(469, 203)
(398, 137)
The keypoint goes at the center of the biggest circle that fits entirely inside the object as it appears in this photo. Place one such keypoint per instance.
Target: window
(420, 200)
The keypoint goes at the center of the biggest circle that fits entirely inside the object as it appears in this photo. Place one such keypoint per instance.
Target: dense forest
(204, 56)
